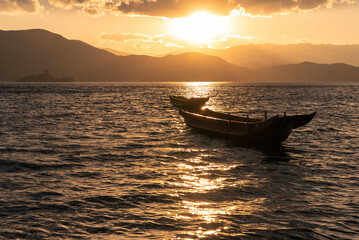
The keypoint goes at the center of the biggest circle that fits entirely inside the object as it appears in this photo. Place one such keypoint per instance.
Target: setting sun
(200, 27)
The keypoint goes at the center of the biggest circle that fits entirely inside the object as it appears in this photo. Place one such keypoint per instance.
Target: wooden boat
(296, 120)
(272, 131)
(188, 103)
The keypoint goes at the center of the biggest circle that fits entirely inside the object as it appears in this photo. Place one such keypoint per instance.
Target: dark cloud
(19, 6)
(175, 8)
(268, 7)
(181, 8)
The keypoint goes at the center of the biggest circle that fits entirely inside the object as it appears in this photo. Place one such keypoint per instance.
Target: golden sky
(160, 26)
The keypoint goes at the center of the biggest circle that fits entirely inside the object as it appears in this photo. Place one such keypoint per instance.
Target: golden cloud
(167, 40)
(119, 37)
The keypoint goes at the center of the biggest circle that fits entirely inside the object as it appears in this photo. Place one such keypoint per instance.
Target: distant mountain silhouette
(266, 55)
(30, 51)
(308, 72)
(198, 67)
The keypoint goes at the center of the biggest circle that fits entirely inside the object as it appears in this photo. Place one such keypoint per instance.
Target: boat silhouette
(245, 130)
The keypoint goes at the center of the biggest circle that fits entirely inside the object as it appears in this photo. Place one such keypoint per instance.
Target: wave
(10, 166)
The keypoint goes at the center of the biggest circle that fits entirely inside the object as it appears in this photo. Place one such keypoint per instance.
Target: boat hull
(272, 131)
(296, 120)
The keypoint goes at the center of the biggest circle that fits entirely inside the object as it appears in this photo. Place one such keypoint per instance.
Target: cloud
(165, 39)
(88, 7)
(175, 8)
(268, 7)
(159, 8)
(19, 6)
(228, 40)
(139, 43)
(139, 39)
(178, 8)
(181, 8)
(119, 37)
(166, 42)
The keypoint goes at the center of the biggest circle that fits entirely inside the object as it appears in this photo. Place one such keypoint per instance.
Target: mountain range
(27, 52)
(256, 56)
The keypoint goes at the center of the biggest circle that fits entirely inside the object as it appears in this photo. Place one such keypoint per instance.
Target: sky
(154, 27)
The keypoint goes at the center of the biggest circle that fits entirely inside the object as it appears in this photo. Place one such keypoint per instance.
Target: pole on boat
(265, 114)
(247, 119)
(285, 114)
(230, 123)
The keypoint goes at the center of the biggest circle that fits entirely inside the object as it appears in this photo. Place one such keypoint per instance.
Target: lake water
(116, 161)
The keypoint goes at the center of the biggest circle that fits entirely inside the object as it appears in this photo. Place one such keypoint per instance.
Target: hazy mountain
(308, 72)
(265, 55)
(198, 67)
(118, 53)
(32, 51)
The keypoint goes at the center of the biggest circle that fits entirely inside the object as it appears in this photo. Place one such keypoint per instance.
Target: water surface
(116, 161)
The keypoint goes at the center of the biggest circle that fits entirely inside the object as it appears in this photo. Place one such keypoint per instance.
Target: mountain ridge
(31, 51)
(27, 52)
(256, 56)
(309, 72)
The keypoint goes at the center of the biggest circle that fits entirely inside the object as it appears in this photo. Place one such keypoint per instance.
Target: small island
(44, 77)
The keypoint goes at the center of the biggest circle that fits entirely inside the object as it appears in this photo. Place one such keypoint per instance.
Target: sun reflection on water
(202, 181)
(199, 84)
(198, 176)
(206, 210)
(198, 184)
(199, 89)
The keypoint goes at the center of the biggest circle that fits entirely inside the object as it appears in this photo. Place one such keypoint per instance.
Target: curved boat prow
(301, 120)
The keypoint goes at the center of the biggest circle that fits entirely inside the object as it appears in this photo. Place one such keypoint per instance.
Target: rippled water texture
(86, 161)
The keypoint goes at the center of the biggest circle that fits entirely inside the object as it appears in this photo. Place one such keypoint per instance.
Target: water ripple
(116, 161)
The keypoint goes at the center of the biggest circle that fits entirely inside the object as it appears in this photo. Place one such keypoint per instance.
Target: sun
(200, 27)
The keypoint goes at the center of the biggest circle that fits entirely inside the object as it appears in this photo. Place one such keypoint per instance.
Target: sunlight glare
(200, 27)
(198, 84)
